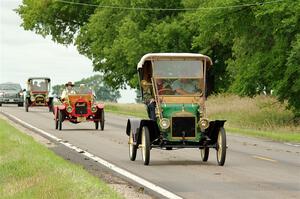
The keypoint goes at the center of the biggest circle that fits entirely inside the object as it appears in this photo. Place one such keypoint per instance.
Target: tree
(257, 46)
(254, 45)
(102, 91)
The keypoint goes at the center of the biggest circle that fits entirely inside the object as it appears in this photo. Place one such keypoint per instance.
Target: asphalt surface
(254, 168)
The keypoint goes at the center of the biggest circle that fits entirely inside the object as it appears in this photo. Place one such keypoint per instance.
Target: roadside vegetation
(30, 170)
(261, 116)
(254, 44)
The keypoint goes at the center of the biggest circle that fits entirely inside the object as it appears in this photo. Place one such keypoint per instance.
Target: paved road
(254, 168)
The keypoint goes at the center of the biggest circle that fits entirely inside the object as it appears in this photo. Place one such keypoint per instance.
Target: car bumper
(11, 100)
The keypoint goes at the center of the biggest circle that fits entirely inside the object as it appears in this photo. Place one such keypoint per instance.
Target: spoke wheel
(60, 119)
(204, 154)
(132, 147)
(102, 120)
(145, 145)
(221, 147)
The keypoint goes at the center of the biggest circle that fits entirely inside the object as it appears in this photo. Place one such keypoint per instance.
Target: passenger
(68, 90)
(185, 86)
(82, 89)
(43, 86)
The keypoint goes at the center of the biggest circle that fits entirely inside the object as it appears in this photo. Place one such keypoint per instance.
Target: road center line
(264, 158)
(105, 163)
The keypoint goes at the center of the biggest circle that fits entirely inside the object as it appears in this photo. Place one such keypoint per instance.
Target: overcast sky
(24, 54)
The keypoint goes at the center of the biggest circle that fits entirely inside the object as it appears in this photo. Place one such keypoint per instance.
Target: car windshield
(83, 90)
(179, 86)
(38, 85)
(177, 69)
(10, 87)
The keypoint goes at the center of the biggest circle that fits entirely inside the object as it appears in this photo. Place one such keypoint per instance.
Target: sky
(25, 54)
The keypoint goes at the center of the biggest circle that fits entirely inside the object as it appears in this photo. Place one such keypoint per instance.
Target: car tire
(20, 105)
(0, 104)
(221, 147)
(204, 154)
(26, 104)
(145, 145)
(60, 119)
(97, 125)
(102, 120)
(132, 147)
(56, 121)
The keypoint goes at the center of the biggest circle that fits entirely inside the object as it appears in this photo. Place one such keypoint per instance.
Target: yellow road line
(264, 158)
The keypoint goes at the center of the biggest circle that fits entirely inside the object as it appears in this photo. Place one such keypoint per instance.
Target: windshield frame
(47, 87)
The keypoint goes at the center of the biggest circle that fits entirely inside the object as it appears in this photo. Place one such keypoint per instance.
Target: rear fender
(213, 129)
(133, 125)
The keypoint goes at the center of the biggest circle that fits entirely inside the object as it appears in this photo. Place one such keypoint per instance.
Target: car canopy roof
(47, 78)
(164, 56)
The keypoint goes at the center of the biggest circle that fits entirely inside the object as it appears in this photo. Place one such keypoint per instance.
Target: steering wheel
(166, 91)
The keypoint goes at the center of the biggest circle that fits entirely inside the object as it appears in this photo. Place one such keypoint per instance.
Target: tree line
(101, 90)
(255, 44)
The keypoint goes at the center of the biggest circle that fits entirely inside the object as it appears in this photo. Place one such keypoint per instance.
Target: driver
(68, 90)
(35, 86)
(186, 86)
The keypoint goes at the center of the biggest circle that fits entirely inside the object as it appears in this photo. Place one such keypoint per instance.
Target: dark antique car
(78, 108)
(173, 86)
(37, 93)
(11, 93)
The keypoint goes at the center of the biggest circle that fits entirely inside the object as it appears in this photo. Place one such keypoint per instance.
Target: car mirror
(145, 85)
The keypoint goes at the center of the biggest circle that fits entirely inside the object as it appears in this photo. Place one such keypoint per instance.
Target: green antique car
(38, 93)
(173, 86)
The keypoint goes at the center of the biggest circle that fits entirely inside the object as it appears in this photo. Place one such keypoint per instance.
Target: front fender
(213, 129)
(132, 124)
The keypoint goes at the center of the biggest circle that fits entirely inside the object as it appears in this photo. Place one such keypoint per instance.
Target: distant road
(254, 168)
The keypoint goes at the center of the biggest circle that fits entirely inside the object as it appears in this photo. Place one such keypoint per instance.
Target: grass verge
(261, 116)
(30, 170)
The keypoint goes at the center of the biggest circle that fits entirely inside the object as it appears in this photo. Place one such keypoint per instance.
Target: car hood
(171, 109)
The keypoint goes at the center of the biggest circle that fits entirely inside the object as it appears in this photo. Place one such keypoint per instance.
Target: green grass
(30, 170)
(137, 110)
(261, 116)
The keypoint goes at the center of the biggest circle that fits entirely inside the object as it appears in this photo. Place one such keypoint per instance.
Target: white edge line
(290, 144)
(105, 163)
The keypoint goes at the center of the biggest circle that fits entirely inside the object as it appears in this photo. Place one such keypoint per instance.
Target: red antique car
(78, 108)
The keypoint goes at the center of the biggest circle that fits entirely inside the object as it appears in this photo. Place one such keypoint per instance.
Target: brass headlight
(203, 123)
(69, 109)
(94, 109)
(32, 98)
(164, 123)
